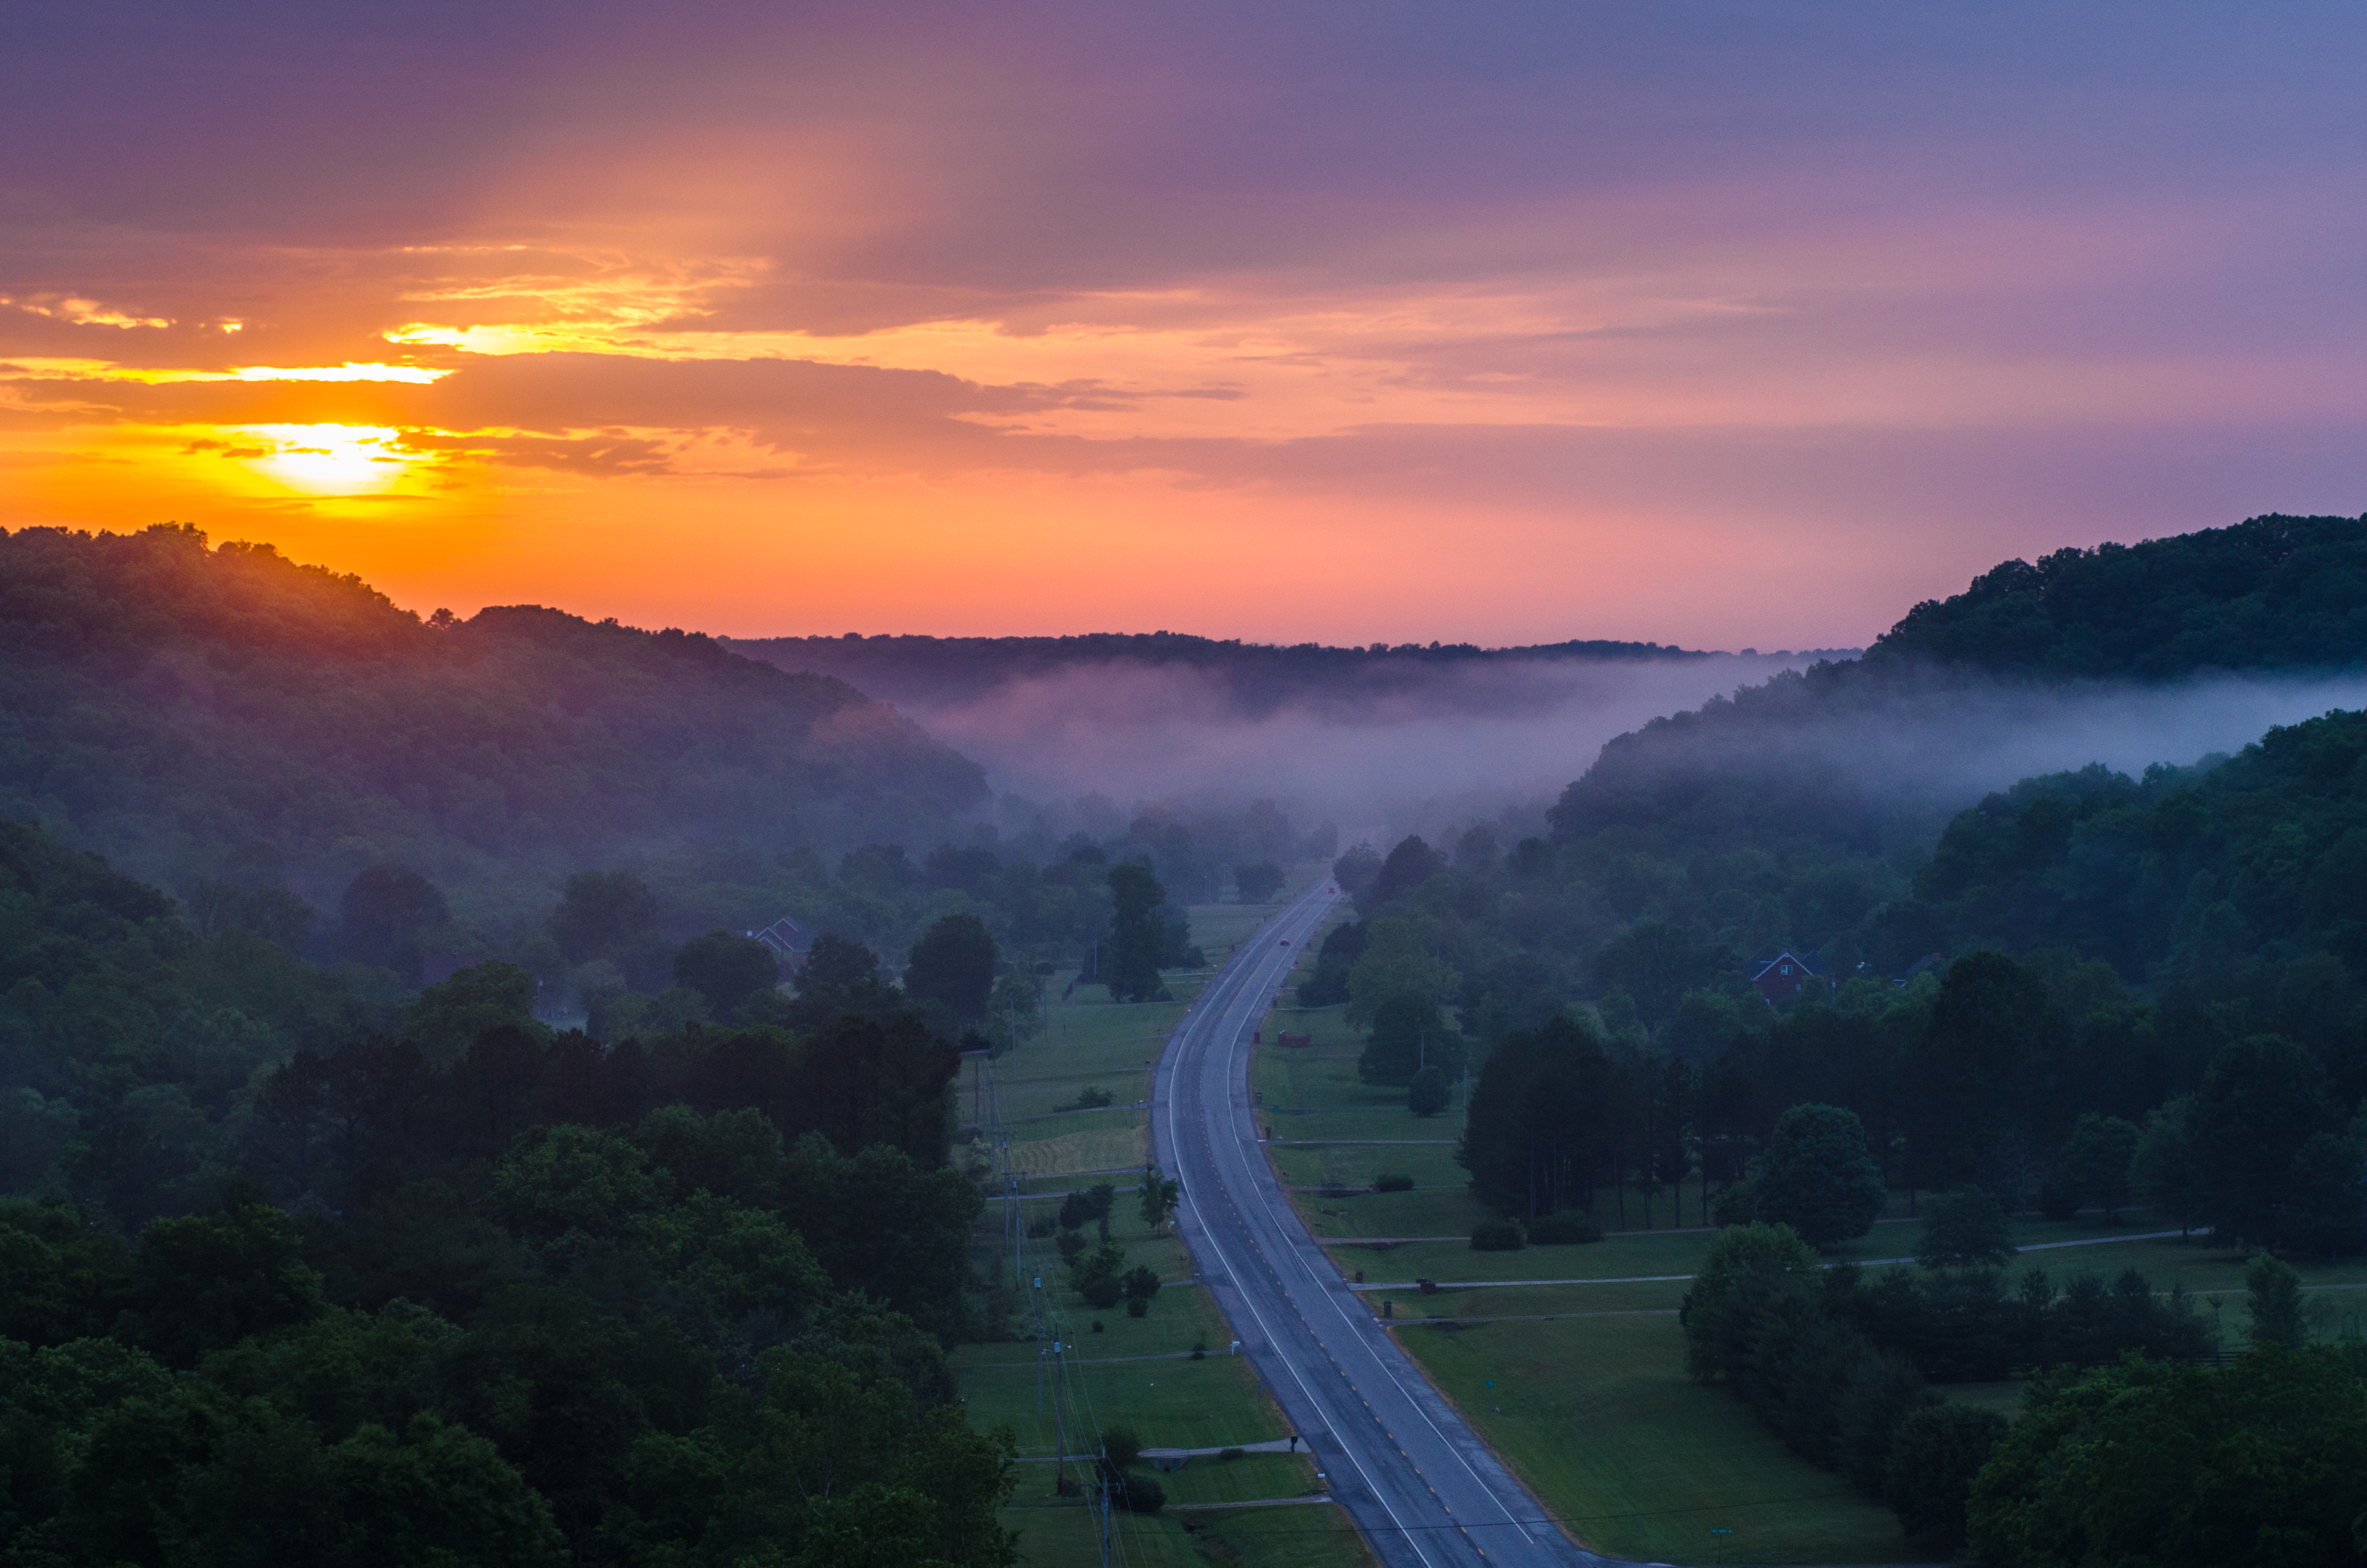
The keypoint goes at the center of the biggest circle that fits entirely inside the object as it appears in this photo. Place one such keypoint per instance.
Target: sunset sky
(1717, 324)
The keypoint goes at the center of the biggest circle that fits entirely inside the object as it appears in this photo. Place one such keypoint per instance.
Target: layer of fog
(1485, 735)
(1500, 742)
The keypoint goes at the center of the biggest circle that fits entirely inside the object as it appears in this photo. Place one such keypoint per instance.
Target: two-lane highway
(1422, 1487)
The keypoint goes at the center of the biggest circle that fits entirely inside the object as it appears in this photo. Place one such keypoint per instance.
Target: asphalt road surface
(1422, 1487)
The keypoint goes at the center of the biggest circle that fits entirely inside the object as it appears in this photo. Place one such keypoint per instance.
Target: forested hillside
(2272, 593)
(196, 712)
(313, 1278)
(1254, 679)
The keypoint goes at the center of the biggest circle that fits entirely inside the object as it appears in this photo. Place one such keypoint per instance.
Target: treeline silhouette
(179, 707)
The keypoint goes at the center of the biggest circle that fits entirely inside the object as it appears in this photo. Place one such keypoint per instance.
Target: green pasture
(1573, 1362)
(1355, 1165)
(1218, 928)
(1128, 1371)
(1311, 1536)
(1169, 1405)
(1437, 1211)
(1181, 1316)
(1598, 1416)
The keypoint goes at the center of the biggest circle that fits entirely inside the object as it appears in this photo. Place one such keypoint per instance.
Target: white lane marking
(1357, 1336)
(1175, 1143)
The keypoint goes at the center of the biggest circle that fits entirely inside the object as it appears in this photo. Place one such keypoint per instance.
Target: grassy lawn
(1355, 1165)
(1599, 1417)
(1169, 1405)
(1126, 1371)
(1065, 1536)
(1218, 928)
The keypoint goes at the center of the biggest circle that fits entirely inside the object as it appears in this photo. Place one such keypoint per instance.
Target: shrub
(1141, 1494)
(1102, 1290)
(1966, 1227)
(1393, 1182)
(1428, 1093)
(1120, 1449)
(1562, 1228)
(1141, 1283)
(1933, 1458)
(1037, 1230)
(1499, 1235)
(2057, 1199)
(1137, 1306)
(1071, 1244)
(1228, 1453)
(1738, 1205)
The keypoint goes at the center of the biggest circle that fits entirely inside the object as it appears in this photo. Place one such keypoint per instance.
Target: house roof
(786, 937)
(1758, 966)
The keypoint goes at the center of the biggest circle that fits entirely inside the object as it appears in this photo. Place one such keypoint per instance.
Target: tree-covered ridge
(2192, 877)
(2270, 593)
(172, 705)
(1256, 678)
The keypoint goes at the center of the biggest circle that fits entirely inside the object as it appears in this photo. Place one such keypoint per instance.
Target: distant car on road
(1285, 941)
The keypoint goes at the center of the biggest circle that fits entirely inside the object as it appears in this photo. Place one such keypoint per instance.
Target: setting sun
(325, 459)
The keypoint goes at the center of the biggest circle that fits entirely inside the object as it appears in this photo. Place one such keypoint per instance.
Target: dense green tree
(1130, 956)
(604, 915)
(1354, 872)
(2273, 1294)
(386, 916)
(1160, 1196)
(2325, 1212)
(1427, 1093)
(61, 1277)
(1966, 1227)
(2262, 1098)
(1657, 964)
(2262, 1463)
(1410, 864)
(727, 969)
(953, 966)
(1817, 1177)
(1980, 1070)
(2098, 1159)
(1409, 1034)
(1743, 1261)
(1532, 1139)
(2164, 1171)
(206, 1281)
(448, 1019)
(1258, 881)
(1934, 1455)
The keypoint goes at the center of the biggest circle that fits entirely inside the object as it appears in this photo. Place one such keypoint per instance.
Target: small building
(1907, 978)
(1786, 977)
(790, 940)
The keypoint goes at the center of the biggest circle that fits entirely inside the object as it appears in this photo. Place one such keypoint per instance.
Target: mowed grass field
(1592, 1404)
(1581, 1386)
(1600, 1419)
(1120, 1371)
(1066, 1536)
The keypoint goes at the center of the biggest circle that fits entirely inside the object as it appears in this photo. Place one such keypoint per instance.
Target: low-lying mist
(1480, 742)
(1482, 737)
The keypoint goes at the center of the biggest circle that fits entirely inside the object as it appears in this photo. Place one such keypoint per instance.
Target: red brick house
(1786, 977)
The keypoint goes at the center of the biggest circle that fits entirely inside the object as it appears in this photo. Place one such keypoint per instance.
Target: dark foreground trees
(2262, 1463)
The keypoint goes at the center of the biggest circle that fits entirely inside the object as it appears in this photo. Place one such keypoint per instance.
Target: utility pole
(1060, 1423)
(1105, 1508)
